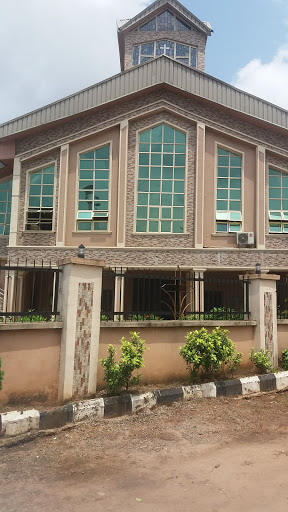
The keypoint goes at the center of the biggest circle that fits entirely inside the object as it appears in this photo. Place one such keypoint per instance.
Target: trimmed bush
(261, 359)
(284, 359)
(207, 354)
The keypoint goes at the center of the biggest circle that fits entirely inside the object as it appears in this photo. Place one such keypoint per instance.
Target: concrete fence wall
(162, 361)
(30, 359)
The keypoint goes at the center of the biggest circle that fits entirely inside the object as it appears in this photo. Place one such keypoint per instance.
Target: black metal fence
(29, 292)
(129, 294)
(282, 297)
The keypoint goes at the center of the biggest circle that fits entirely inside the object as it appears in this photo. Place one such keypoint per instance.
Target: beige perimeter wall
(30, 360)
(163, 362)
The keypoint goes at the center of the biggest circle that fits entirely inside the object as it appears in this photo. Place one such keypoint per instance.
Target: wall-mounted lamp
(258, 268)
(2, 165)
(81, 251)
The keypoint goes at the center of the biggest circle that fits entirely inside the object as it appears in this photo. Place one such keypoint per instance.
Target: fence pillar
(119, 293)
(263, 308)
(199, 289)
(80, 306)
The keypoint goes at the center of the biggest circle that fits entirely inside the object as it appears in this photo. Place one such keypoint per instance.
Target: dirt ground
(208, 455)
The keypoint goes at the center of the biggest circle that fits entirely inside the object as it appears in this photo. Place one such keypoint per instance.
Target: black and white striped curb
(16, 423)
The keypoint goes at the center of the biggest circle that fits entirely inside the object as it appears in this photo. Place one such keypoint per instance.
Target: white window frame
(79, 153)
(282, 220)
(175, 53)
(26, 206)
(136, 174)
(3, 180)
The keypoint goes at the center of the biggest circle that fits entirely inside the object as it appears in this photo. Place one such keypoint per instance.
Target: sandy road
(209, 455)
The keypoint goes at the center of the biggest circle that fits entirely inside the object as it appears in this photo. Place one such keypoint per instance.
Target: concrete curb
(18, 423)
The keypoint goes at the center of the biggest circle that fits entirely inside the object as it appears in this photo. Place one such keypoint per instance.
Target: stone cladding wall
(83, 339)
(192, 37)
(161, 240)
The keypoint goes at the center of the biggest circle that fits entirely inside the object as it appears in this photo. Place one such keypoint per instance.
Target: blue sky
(52, 48)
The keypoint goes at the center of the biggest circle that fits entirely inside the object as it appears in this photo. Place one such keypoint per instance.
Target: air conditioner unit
(245, 238)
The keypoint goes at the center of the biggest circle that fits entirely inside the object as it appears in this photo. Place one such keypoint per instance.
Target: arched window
(5, 206)
(161, 180)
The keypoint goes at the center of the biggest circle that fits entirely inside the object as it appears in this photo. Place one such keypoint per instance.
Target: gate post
(263, 308)
(80, 306)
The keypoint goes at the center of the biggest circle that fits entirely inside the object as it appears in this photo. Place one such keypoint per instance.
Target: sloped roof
(162, 70)
(185, 13)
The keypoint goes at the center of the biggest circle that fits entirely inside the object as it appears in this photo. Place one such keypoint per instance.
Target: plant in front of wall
(284, 359)
(1, 374)
(261, 359)
(208, 354)
(119, 375)
(32, 317)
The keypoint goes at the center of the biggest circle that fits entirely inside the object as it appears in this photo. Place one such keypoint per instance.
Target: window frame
(136, 174)
(154, 56)
(27, 185)
(281, 220)
(176, 17)
(237, 152)
(79, 153)
(4, 180)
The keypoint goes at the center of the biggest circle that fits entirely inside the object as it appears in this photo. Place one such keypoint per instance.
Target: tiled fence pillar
(263, 308)
(79, 304)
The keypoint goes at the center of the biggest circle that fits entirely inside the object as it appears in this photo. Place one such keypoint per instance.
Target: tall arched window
(161, 180)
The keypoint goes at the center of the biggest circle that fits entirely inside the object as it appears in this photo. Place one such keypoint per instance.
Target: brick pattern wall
(83, 339)
(193, 38)
(133, 240)
(45, 238)
(149, 257)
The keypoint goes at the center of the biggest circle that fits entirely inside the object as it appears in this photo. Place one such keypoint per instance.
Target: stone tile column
(263, 308)
(80, 305)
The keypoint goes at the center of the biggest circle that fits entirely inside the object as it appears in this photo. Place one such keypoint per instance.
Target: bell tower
(164, 28)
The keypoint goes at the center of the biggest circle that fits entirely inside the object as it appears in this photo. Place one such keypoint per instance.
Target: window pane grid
(229, 191)
(278, 201)
(161, 181)
(93, 193)
(5, 206)
(180, 52)
(40, 199)
(165, 21)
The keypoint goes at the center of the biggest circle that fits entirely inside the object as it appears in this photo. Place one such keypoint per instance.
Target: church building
(162, 169)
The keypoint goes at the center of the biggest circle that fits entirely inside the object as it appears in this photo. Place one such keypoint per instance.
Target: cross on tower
(165, 47)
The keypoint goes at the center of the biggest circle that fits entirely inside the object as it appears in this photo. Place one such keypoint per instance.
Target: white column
(119, 293)
(122, 183)
(62, 196)
(199, 188)
(79, 305)
(263, 308)
(15, 203)
(199, 289)
(260, 197)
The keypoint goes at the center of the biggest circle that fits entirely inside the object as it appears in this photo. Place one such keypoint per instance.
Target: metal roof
(176, 5)
(162, 70)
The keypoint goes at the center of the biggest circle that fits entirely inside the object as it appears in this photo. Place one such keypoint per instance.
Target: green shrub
(118, 375)
(261, 359)
(284, 359)
(208, 354)
(1, 374)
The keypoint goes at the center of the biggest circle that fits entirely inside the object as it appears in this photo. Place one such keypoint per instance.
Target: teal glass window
(278, 201)
(161, 187)
(181, 52)
(5, 206)
(39, 214)
(93, 190)
(229, 191)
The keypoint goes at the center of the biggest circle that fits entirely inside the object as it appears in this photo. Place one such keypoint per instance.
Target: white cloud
(266, 80)
(52, 48)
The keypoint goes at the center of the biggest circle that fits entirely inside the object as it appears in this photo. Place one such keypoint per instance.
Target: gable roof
(165, 4)
(162, 70)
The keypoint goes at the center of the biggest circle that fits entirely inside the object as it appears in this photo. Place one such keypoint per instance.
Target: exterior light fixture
(81, 251)
(258, 268)
(2, 165)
